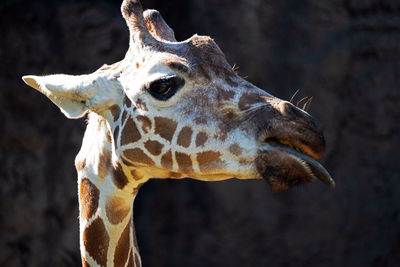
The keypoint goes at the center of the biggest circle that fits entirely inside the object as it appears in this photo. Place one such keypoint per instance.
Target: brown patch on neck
(209, 160)
(201, 139)
(123, 247)
(235, 149)
(104, 163)
(80, 164)
(185, 137)
(130, 133)
(117, 210)
(154, 147)
(184, 162)
(138, 156)
(166, 160)
(96, 241)
(88, 198)
(141, 105)
(165, 127)
(118, 176)
(146, 123)
(115, 111)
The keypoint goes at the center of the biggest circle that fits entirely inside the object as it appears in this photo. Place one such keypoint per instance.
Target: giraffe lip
(315, 167)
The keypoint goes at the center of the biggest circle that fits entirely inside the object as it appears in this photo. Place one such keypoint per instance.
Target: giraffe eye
(164, 88)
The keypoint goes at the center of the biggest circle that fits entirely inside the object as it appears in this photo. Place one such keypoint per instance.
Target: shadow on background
(344, 53)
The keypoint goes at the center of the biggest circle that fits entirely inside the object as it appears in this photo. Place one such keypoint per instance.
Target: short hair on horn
(132, 11)
(157, 26)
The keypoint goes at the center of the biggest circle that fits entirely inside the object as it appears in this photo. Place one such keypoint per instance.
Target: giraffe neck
(107, 235)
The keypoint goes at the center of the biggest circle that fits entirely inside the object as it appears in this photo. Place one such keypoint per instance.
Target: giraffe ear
(68, 92)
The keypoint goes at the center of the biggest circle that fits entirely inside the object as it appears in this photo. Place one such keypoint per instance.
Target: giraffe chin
(283, 167)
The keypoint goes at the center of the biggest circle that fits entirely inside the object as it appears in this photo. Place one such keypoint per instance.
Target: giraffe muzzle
(289, 152)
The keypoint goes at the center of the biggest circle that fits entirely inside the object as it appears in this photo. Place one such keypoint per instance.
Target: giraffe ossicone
(172, 110)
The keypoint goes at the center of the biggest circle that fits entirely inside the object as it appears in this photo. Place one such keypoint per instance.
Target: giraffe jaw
(283, 166)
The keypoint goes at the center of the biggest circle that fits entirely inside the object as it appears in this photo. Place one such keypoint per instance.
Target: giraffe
(172, 109)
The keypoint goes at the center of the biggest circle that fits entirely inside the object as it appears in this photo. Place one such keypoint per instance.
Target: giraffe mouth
(284, 165)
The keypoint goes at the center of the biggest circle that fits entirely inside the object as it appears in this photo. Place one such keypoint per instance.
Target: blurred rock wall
(343, 53)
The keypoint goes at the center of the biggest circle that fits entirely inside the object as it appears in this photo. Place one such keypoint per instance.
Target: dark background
(343, 53)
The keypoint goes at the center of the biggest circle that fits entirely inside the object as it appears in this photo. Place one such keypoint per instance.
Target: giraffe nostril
(289, 110)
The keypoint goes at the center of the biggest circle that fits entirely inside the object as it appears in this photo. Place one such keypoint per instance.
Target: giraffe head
(177, 109)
